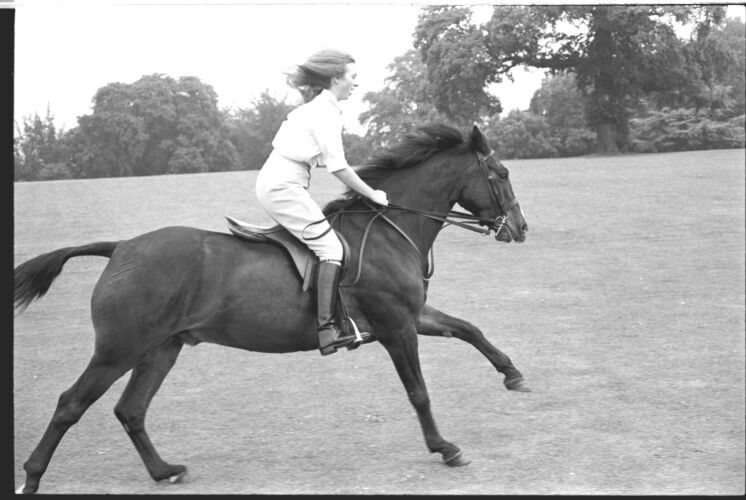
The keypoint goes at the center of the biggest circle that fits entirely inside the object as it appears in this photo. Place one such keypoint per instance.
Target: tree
(563, 106)
(36, 148)
(560, 102)
(523, 134)
(252, 129)
(447, 34)
(618, 52)
(718, 54)
(156, 125)
(403, 103)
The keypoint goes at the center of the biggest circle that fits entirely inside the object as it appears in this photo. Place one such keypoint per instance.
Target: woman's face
(342, 86)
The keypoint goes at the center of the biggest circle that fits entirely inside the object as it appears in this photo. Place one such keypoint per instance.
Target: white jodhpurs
(282, 190)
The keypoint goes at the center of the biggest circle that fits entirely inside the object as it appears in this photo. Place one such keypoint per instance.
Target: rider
(312, 136)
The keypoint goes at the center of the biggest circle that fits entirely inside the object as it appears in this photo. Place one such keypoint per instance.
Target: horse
(180, 285)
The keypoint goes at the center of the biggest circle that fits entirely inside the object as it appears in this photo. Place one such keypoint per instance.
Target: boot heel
(326, 351)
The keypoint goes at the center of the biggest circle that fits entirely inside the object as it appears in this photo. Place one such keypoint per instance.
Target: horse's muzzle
(506, 234)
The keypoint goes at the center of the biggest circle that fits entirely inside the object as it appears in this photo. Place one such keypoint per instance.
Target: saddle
(305, 263)
(304, 259)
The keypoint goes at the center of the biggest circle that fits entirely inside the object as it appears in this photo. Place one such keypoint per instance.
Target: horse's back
(210, 286)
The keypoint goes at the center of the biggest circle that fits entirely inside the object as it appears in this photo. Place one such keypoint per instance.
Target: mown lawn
(624, 309)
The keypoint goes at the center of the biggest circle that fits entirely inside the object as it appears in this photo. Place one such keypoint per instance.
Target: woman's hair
(317, 72)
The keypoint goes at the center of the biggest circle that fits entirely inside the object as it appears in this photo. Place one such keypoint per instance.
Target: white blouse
(312, 133)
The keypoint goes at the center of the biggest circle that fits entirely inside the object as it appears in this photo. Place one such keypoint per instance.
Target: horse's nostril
(524, 228)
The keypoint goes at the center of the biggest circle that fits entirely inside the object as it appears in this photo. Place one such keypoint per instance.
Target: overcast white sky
(66, 51)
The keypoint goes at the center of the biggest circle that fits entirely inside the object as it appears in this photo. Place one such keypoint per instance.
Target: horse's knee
(419, 399)
(69, 411)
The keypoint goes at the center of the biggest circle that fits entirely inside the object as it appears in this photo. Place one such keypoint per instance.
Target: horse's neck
(429, 187)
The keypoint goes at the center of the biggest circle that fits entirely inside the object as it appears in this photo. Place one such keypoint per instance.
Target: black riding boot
(327, 284)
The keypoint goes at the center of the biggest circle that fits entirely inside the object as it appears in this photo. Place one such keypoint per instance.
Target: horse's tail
(34, 277)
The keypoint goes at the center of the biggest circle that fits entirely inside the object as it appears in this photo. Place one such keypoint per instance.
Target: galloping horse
(181, 285)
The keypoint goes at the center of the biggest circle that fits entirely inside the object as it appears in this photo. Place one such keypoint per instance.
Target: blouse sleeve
(328, 135)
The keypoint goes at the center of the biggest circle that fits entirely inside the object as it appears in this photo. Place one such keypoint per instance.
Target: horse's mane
(415, 148)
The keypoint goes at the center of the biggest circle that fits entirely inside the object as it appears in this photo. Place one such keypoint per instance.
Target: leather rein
(452, 217)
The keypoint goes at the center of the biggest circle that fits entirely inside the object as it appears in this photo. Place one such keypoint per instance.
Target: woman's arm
(354, 182)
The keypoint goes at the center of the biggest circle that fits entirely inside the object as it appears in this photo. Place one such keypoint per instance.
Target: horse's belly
(258, 305)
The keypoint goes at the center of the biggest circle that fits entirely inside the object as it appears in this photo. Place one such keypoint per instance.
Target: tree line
(618, 79)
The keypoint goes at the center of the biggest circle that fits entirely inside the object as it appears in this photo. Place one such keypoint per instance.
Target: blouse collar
(326, 95)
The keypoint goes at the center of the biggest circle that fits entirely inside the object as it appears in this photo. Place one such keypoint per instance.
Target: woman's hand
(353, 181)
(380, 197)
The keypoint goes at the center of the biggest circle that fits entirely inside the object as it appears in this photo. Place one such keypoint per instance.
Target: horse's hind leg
(144, 382)
(98, 376)
(437, 323)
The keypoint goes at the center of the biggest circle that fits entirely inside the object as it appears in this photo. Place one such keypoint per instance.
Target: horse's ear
(479, 141)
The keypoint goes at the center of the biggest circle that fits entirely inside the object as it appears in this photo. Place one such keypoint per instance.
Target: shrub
(684, 130)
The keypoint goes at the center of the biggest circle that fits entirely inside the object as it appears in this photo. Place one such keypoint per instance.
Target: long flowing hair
(316, 74)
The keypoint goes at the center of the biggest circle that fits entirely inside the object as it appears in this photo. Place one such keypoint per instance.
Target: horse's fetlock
(33, 469)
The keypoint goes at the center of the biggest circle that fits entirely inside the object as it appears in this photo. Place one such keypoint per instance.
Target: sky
(64, 54)
(66, 51)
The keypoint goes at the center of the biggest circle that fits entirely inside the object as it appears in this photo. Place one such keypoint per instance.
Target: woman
(311, 136)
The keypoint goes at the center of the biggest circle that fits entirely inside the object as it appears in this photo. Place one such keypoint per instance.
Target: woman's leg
(282, 192)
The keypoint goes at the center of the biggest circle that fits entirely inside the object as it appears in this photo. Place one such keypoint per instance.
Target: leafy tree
(563, 106)
(18, 165)
(523, 134)
(560, 102)
(717, 64)
(156, 125)
(253, 129)
(618, 52)
(403, 103)
(35, 149)
(446, 34)
(358, 150)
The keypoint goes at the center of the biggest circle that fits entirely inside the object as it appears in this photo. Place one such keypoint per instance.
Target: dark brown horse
(180, 285)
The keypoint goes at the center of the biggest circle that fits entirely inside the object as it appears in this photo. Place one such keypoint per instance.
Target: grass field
(624, 310)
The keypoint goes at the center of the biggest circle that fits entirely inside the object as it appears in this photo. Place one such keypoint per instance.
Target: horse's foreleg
(91, 385)
(403, 351)
(144, 382)
(437, 323)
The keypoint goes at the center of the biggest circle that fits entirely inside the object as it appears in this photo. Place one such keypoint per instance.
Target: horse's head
(487, 193)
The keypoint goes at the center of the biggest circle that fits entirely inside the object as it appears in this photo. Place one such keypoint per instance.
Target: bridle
(466, 220)
(492, 184)
(452, 217)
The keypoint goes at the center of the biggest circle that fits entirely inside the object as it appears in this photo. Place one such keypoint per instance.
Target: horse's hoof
(517, 384)
(27, 489)
(178, 478)
(456, 460)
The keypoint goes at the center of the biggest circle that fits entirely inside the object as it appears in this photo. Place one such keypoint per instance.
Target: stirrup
(359, 337)
(338, 341)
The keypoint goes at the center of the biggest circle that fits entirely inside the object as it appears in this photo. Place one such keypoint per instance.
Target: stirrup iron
(359, 337)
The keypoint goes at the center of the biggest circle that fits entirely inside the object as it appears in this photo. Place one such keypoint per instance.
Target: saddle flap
(304, 259)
